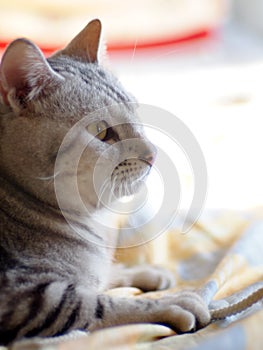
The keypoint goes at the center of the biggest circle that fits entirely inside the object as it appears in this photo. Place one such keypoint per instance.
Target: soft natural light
(222, 105)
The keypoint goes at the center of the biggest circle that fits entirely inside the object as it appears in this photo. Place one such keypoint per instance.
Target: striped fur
(51, 278)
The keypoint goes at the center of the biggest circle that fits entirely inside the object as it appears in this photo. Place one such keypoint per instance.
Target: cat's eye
(99, 130)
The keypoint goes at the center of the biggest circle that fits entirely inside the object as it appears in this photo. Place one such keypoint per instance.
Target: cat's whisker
(110, 195)
(130, 187)
(46, 178)
(112, 188)
(120, 189)
(128, 193)
(123, 187)
(100, 194)
(104, 187)
(142, 177)
(126, 189)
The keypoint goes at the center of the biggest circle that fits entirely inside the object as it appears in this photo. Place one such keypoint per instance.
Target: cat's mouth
(128, 176)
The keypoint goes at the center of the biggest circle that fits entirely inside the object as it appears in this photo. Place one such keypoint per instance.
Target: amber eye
(99, 130)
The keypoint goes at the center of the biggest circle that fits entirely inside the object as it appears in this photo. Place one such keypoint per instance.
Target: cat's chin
(136, 186)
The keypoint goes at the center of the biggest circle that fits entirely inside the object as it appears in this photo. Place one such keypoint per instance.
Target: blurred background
(201, 60)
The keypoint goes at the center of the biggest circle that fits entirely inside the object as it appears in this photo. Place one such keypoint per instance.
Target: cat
(51, 277)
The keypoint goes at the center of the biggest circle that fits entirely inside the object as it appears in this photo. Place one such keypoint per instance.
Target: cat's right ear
(24, 74)
(85, 45)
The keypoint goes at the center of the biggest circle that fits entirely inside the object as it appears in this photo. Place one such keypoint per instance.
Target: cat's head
(69, 115)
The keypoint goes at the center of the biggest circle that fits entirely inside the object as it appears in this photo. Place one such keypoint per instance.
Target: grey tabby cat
(51, 278)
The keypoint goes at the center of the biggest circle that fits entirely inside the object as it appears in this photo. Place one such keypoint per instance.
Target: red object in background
(119, 47)
(155, 44)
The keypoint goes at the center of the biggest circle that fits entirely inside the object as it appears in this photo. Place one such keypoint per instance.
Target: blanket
(222, 258)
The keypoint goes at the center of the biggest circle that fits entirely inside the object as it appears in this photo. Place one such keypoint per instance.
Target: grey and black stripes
(99, 312)
(8, 327)
(94, 77)
(56, 319)
(52, 273)
(67, 299)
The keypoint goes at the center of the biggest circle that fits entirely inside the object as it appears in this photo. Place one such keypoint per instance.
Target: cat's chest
(84, 264)
(93, 269)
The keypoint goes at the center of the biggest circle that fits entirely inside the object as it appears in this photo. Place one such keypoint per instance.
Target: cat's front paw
(184, 312)
(150, 278)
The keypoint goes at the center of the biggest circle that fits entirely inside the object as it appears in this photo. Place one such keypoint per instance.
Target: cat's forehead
(92, 92)
(90, 79)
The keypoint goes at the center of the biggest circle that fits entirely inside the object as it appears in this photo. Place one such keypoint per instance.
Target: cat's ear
(24, 73)
(85, 45)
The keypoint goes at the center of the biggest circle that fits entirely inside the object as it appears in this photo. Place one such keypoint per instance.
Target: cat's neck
(18, 203)
(25, 210)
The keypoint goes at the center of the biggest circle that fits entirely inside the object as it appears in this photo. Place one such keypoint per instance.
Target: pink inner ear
(25, 70)
(15, 63)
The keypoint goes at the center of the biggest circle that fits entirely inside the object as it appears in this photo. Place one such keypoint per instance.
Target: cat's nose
(150, 159)
(150, 155)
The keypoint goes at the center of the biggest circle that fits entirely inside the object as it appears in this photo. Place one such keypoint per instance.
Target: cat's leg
(56, 308)
(45, 309)
(183, 312)
(144, 277)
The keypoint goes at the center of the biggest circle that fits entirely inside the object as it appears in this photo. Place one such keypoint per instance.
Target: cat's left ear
(85, 45)
(25, 74)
